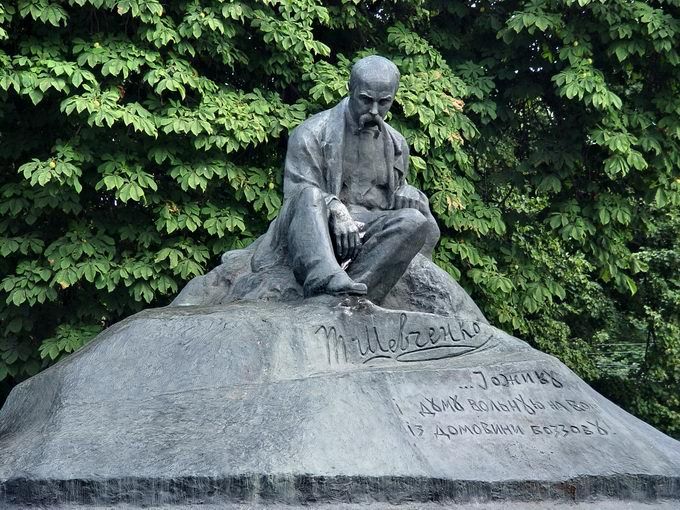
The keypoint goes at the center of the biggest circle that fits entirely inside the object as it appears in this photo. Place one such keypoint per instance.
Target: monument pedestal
(273, 403)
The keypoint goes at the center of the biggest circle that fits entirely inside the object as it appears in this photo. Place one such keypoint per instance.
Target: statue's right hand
(344, 231)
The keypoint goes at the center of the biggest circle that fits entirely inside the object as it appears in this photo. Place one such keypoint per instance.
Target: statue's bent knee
(411, 219)
(311, 197)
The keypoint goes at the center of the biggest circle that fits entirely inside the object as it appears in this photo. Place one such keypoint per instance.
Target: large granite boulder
(425, 287)
(261, 402)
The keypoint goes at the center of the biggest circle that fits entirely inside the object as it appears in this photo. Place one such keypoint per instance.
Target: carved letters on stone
(406, 341)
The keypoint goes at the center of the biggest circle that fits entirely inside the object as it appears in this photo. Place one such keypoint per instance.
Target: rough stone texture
(256, 403)
(598, 504)
(424, 287)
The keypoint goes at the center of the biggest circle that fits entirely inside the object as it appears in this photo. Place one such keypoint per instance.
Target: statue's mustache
(369, 120)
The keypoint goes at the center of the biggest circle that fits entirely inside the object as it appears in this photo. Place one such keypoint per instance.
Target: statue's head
(373, 84)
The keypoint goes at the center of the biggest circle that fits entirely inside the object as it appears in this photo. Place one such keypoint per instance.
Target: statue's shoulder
(314, 125)
(319, 124)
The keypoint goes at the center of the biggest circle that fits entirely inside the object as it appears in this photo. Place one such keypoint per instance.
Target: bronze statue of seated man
(350, 224)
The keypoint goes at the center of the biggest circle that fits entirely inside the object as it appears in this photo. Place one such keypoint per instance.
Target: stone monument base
(258, 403)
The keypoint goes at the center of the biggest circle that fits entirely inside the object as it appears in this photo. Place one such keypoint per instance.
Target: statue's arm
(304, 168)
(405, 195)
(304, 164)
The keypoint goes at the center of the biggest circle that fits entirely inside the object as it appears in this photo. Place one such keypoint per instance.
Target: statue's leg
(310, 251)
(391, 240)
(432, 236)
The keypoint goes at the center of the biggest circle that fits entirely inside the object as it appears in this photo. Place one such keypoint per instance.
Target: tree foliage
(141, 139)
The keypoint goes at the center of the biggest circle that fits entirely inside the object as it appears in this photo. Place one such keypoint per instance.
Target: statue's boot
(341, 284)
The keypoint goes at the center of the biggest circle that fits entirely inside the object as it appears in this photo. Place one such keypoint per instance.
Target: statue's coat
(315, 159)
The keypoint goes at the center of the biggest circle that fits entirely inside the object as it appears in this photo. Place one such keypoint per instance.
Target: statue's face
(371, 99)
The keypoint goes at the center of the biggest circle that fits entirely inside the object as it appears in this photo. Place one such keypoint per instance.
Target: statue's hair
(373, 64)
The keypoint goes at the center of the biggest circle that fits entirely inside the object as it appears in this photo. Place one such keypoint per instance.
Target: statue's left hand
(407, 196)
